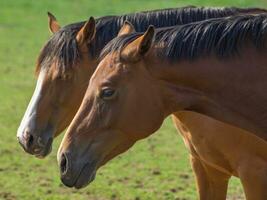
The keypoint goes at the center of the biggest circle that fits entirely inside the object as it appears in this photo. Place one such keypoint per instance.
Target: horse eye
(107, 93)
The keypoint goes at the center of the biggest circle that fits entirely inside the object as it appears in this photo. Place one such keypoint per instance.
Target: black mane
(221, 36)
(63, 48)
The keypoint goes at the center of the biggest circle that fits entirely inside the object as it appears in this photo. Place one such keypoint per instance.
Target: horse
(70, 57)
(219, 151)
(198, 68)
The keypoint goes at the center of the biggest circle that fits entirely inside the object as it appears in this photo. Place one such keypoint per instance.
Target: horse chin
(45, 152)
(86, 177)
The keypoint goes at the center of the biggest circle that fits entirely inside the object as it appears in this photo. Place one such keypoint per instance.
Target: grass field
(156, 168)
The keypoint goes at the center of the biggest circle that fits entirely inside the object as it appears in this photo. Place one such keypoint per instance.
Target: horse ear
(52, 23)
(126, 28)
(138, 48)
(86, 34)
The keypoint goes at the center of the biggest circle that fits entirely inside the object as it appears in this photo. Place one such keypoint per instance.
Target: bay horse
(219, 151)
(69, 58)
(144, 77)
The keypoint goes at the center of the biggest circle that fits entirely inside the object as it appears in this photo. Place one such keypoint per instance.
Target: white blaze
(29, 118)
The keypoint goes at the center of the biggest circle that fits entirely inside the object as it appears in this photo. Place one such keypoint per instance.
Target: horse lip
(47, 149)
(67, 182)
(82, 185)
(41, 155)
(85, 176)
(82, 179)
(36, 150)
(40, 149)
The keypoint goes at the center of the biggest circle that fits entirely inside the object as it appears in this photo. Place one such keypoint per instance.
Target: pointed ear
(134, 51)
(52, 23)
(86, 34)
(126, 28)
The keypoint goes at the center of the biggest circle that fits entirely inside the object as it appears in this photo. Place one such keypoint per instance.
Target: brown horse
(219, 151)
(68, 60)
(204, 67)
(214, 160)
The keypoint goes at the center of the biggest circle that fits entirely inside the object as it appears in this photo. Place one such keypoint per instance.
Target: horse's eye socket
(107, 93)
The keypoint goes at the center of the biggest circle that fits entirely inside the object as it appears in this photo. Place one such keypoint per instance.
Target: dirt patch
(184, 176)
(7, 196)
(139, 184)
(156, 172)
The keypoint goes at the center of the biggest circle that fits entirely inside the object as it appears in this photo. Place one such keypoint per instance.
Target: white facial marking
(29, 118)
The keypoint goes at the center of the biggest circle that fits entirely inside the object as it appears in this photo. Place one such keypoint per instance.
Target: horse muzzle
(35, 144)
(76, 174)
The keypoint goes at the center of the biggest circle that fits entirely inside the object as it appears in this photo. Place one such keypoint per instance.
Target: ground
(155, 168)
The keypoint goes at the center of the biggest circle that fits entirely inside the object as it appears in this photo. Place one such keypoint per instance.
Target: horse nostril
(29, 141)
(63, 164)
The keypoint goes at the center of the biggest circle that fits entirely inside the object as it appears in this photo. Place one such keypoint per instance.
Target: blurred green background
(155, 168)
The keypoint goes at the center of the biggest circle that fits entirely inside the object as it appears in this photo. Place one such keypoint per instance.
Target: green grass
(155, 168)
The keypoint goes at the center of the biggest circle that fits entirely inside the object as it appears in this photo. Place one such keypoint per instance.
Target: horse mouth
(85, 177)
(38, 151)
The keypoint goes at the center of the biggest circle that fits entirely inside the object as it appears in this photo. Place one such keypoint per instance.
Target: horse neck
(209, 85)
(188, 85)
